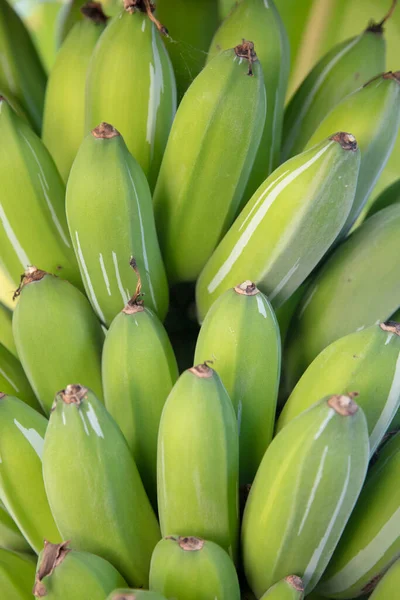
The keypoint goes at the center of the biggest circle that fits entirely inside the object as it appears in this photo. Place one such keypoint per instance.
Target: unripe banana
(364, 266)
(57, 336)
(21, 71)
(372, 115)
(6, 334)
(198, 462)
(196, 206)
(287, 226)
(303, 494)
(290, 588)
(135, 391)
(389, 196)
(241, 336)
(64, 108)
(22, 490)
(371, 541)
(97, 498)
(13, 379)
(190, 568)
(389, 586)
(339, 73)
(131, 84)
(33, 225)
(63, 573)
(260, 22)
(110, 219)
(17, 574)
(367, 361)
(10, 536)
(125, 594)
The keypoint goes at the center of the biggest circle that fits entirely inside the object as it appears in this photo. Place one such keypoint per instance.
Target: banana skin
(17, 573)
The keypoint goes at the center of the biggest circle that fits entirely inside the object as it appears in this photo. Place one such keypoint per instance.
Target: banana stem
(148, 7)
(389, 13)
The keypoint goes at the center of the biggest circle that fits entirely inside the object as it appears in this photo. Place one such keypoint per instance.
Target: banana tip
(391, 327)
(52, 556)
(203, 371)
(190, 544)
(296, 582)
(2, 395)
(73, 394)
(344, 405)
(94, 12)
(247, 288)
(105, 131)
(346, 140)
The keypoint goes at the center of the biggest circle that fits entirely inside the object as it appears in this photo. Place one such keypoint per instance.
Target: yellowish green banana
(64, 107)
(96, 496)
(289, 588)
(198, 461)
(6, 334)
(196, 205)
(17, 574)
(240, 333)
(22, 492)
(13, 380)
(131, 84)
(57, 335)
(131, 594)
(389, 585)
(10, 536)
(111, 221)
(287, 226)
(190, 568)
(303, 494)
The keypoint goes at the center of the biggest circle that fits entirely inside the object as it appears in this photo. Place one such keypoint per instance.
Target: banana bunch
(10, 536)
(17, 573)
(289, 588)
(287, 226)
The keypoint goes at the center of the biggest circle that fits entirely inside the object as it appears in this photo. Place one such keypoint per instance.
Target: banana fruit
(138, 93)
(190, 568)
(287, 226)
(207, 185)
(303, 494)
(135, 391)
(389, 586)
(367, 361)
(13, 379)
(259, 21)
(64, 107)
(239, 332)
(57, 335)
(198, 461)
(125, 594)
(289, 588)
(371, 541)
(66, 573)
(10, 536)
(110, 219)
(6, 334)
(22, 491)
(33, 225)
(97, 499)
(17, 574)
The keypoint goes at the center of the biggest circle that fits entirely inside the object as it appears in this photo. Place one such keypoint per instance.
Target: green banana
(110, 219)
(389, 586)
(190, 568)
(69, 574)
(371, 541)
(191, 25)
(259, 21)
(389, 196)
(138, 93)
(208, 185)
(339, 73)
(364, 267)
(373, 117)
(13, 379)
(98, 500)
(135, 391)
(303, 494)
(33, 224)
(125, 594)
(198, 461)
(22, 490)
(57, 335)
(10, 536)
(290, 588)
(6, 334)
(64, 107)
(17, 574)
(239, 333)
(367, 361)
(21, 71)
(287, 226)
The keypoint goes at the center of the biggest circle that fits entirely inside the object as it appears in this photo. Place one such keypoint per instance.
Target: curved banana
(239, 332)
(63, 572)
(289, 588)
(371, 541)
(138, 95)
(287, 226)
(259, 21)
(110, 219)
(64, 107)
(303, 494)
(13, 379)
(198, 461)
(364, 266)
(389, 586)
(57, 335)
(367, 361)
(6, 334)
(97, 499)
(125, 594)
(389, 196)
(211, 158)
(191, 568)
(22, 490)
(33, 225)
(135, 391)
(372, 115)
(17, 574)
(10, 536)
